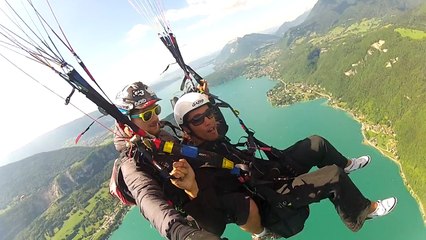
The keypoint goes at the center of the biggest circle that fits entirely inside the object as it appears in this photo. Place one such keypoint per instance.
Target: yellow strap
(168, 146)
(228, 164)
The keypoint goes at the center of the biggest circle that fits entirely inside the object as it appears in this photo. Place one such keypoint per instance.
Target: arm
(153, 206)
(149, 197)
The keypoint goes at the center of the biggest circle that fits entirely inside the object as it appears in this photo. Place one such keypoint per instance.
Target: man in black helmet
(145, 185)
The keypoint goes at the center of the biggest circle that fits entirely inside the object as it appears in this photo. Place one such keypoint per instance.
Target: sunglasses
(147, 115)
(199, 118)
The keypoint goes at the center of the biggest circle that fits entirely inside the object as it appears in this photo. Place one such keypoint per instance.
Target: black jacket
(286, 221)
(148, 190)
(221, 199)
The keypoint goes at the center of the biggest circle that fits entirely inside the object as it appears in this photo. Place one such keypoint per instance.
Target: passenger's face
(151, 125)
(202, 125)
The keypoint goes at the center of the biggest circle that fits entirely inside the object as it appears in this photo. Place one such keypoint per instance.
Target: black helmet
(135, 96)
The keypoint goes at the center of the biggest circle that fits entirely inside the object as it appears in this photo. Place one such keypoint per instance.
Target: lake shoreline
(253, 94)
(393, 158)
(299, 92)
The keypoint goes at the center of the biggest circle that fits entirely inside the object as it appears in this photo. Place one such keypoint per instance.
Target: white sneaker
(357, 163)
(384, 207)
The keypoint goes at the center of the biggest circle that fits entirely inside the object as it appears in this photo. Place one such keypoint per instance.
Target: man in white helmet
(146, 187)
(195, 115)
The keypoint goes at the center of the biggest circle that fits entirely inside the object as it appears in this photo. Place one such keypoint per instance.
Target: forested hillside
(23, 178)
(59, 195)
(374, 68)
(327, 14)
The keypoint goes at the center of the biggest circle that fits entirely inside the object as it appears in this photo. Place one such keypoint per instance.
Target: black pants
(314, 151)
(333, 183)
(329, 181)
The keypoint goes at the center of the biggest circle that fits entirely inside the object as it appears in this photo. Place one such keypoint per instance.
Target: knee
(254, 210)
(334, 170)
(316, 139)
(316, 142)
(253, 223)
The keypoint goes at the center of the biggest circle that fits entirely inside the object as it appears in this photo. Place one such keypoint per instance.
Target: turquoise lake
(283, 126)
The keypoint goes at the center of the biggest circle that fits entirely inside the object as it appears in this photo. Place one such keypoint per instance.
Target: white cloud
(136, 34)
(211, 8)
(139, 64)
(212, 11)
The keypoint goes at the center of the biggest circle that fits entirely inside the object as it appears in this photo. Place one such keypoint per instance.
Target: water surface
(282, 127)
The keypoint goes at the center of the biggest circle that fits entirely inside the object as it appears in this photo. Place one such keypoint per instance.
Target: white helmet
(187, 103)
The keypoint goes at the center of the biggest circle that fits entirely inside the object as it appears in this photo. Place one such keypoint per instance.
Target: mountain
(287, 25)
(169, 77)
(235, 55)
(369, 64)
(48, 193)
(327, 14)
(30, 174)
(65, 135)
(39, 193)
(244, 55)
(243, 47)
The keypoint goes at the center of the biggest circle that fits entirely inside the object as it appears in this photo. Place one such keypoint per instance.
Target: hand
(184, 178)
(202, 87)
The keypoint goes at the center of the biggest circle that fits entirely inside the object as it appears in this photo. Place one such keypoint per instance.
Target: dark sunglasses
(199, 118)
(147, 115)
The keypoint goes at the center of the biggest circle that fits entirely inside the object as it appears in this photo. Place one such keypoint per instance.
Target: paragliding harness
(149, 151)
(277, 214)
(263, 176)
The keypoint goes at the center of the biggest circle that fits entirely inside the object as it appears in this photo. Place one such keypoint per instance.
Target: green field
(340, 32)
(411, 33)
(74, 223)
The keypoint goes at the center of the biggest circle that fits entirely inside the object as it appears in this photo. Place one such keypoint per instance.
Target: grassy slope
(390, 96)
(76, 225)
(89, 211)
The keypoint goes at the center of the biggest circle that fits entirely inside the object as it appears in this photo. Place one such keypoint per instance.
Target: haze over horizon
(116, 49)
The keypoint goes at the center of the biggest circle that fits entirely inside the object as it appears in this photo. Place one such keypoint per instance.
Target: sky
(119, 46)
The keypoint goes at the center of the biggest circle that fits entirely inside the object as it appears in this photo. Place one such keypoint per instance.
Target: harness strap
(117, 186)
(68, 99)
(172, 127)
